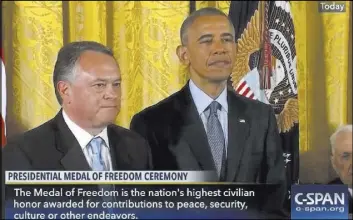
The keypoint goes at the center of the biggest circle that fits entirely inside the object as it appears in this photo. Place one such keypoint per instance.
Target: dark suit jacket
(178, 139)
(338, 181)
(52, 146)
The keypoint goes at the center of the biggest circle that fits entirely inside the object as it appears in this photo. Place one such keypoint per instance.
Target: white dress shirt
(350, 191)
(202, 101)
(83, 138)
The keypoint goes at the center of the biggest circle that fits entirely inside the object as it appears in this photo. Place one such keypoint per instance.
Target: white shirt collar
(82, 136)
(202, 100)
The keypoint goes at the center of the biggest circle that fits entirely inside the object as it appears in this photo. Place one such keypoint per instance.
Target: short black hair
(196, 14)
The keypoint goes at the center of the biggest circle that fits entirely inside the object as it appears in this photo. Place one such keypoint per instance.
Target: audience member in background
(341, 158)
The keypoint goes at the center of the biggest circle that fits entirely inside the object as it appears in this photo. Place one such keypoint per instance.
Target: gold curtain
(144, 36)
(323, 43)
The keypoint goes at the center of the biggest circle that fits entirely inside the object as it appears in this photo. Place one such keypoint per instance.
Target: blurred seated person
(341, 158)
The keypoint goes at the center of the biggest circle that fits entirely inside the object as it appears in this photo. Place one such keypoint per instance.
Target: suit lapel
(238, 132)
(121, 159)
(194, 134)
(193, 131)
(73, 157)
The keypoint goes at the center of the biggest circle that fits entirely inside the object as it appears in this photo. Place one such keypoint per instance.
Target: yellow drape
(323, 43)
(144, 36)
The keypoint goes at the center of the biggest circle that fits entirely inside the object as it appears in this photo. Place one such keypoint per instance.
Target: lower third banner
(141, 201)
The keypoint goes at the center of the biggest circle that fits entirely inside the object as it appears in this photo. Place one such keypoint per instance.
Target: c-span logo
(319, 202)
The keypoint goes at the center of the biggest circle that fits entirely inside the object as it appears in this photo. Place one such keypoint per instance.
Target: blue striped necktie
(98, 163)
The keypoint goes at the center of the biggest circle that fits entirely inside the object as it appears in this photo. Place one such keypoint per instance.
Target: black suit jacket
(338, 181)
(178, 139)
(52, 146)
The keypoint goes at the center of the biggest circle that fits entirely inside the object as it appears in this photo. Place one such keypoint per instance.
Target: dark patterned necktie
(215, 136)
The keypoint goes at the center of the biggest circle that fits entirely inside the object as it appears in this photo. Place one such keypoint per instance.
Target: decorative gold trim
(289, 116)
(248, 43)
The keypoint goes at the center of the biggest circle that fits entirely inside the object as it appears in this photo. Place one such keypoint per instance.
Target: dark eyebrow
(106, 80)
(204, 36)
(210, 35)
(346, 153)
(227, 35)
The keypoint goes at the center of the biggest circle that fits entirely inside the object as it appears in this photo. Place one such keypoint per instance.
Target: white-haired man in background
(341, 157)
